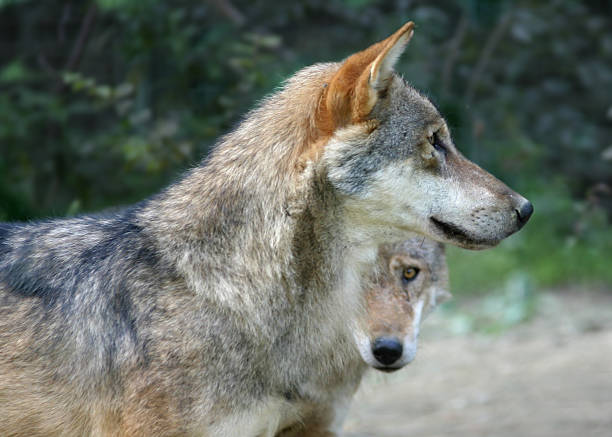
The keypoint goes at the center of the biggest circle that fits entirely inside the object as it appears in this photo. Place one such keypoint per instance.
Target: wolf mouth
(455, 233)
(387, 369)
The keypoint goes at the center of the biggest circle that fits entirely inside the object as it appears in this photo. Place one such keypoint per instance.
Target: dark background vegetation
(104, 102)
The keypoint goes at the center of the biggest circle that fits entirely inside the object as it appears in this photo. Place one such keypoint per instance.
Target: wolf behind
(409, 279)
(216, 307)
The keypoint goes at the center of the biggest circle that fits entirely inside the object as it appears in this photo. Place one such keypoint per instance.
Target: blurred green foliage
(515, 301)
(567, 242)
(104, 102)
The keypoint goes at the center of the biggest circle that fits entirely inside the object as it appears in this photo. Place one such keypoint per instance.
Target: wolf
(409, 280)
(218, 306)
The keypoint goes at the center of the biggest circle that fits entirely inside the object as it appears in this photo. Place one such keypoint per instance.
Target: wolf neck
(247, 216)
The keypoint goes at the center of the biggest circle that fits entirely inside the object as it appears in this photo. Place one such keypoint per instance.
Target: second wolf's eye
(409, 274)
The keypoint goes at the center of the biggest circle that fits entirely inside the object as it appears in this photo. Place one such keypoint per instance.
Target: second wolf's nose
(387, 350)
(524, 212)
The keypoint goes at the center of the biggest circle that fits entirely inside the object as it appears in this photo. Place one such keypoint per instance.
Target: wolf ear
(355, 88)
(442, 296)
(381, 69)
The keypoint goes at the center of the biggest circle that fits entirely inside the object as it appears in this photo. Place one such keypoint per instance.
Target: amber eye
(409, 273)
(431, 139)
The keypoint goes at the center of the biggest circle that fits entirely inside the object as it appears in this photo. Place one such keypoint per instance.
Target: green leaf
(14, 72)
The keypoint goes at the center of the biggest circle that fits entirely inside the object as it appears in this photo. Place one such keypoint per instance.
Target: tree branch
(61, 26)
(453, 52)
(487, 52)
(229, 11)
(81, 41)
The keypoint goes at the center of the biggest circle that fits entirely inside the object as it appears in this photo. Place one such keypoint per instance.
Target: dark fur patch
(149, 257)
(121, 305)
(122, 315)
(22, 276)
(118, 234)
(35, 269)
(76, 284)
(30, 286)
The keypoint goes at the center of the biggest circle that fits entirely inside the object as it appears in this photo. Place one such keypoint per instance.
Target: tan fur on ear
(353, 91)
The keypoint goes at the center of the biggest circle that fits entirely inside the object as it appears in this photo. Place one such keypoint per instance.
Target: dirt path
(551, 377)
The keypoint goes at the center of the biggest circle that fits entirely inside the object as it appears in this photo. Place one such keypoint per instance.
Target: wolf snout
(523, 212)
(387, 350)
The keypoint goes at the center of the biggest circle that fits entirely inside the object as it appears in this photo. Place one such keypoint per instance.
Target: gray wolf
(409, 280)
(213, 307)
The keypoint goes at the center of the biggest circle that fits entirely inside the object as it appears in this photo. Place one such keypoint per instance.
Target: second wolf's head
(411, 279)
(387, 150)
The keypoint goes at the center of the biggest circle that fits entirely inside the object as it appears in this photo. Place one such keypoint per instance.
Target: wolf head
(388, 152)
(412, 278)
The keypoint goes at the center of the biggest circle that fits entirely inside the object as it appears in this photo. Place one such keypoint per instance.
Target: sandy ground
(551, 376)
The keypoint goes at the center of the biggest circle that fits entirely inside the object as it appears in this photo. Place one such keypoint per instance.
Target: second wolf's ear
(361, 80)
(442, 296)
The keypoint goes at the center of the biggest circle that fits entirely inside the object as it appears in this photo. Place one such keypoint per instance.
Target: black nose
(524, 212)
(387, 350)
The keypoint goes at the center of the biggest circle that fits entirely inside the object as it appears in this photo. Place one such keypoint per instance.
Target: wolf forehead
(405, 115)
(403, 119)
(428, 251)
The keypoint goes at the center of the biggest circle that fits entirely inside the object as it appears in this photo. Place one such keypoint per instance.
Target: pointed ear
(382, 67)
(442, 296)
(357, 85)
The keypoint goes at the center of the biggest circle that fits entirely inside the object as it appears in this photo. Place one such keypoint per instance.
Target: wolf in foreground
(218, 306)
(410, 279)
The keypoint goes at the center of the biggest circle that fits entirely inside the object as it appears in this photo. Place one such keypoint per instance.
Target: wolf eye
(435, 141)
(409, 274)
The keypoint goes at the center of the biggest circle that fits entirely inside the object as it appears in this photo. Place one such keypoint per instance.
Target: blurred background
(103, 102)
